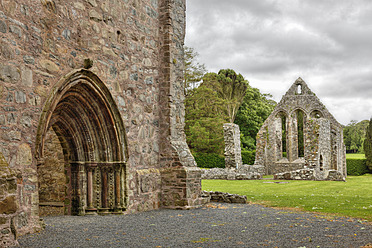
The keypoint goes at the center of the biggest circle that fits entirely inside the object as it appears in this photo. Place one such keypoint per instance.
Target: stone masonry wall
(233, 155)
(9, 208)
(53, 179)
(180, 176)
(135, 47)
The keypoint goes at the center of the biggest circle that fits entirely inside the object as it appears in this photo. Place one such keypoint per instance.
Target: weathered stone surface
(9, 73)
(233, 156)
(6, 51)
(20, 97)
(95, 16)
(24, 155)
(3, 27)
(309, 174)
(27, 77)
(216, 196)
(8, 205)
(279, 148)
(29, 59)
(49, 66)
(246, 172)
(116, 118)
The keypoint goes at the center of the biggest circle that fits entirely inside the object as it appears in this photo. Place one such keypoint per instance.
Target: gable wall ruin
(282, 147)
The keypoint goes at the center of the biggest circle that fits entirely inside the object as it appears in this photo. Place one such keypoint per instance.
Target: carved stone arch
(82, 113)
(280, 113)
(316, 114)
(298, 108)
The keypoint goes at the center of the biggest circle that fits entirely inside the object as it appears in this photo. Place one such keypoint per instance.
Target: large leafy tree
(230, 87)
(354, 135)
(217, 101)
(255, 109)
(205, 117)
(193, 70)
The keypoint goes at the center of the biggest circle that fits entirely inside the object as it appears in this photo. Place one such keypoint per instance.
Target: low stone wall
(224, 197)
(246, 172)
(285, 166)
(310, 174)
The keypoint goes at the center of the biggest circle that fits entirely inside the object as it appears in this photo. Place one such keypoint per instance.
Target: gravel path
(217, 225)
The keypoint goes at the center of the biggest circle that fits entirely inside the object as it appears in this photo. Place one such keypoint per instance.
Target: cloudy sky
(328, 43)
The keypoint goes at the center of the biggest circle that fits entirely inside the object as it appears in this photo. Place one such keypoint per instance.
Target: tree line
(213, 99)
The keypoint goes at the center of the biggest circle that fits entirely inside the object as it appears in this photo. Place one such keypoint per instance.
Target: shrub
(209, 160)
(248, 157)
(356, 167)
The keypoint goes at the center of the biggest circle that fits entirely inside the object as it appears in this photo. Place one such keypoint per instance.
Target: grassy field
(355, 156)
(352, 198)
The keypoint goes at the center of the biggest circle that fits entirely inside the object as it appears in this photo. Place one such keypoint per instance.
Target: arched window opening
(334, 162)
(316, 114)
(300, 133)
(284, 136)
(299, 89)
(321, 163)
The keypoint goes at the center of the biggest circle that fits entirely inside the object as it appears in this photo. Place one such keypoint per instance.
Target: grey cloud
(328, 42)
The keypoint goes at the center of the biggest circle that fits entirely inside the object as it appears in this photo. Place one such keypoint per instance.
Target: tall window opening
(299, 89)
(321, 162)
(300, 133)
(284, 136)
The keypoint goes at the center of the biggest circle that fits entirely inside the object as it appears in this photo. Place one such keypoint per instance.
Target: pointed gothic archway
(81, 122)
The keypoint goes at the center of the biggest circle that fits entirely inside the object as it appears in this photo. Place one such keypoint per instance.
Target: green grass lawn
(355, 156)
(352, 198)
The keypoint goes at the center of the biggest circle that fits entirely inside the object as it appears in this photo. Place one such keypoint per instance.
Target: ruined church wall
(322, 134)
(43, 40)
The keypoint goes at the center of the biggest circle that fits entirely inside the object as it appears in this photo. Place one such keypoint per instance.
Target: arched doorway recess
(81, 112)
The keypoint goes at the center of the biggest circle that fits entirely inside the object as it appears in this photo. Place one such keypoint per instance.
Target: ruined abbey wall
(91, 104)
(282, 147)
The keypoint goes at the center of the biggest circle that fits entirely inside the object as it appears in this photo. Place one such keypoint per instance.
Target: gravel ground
(217, 225)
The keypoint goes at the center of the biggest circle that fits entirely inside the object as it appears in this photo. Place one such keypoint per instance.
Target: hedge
(356, 167)
(248, 157)
(209, 160)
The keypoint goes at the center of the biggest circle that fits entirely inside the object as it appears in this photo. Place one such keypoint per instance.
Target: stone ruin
(91, 110)
(233, 151)
(301, 139)
(234, 167)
